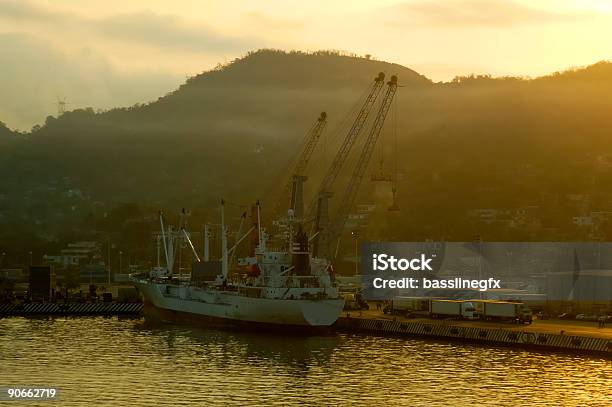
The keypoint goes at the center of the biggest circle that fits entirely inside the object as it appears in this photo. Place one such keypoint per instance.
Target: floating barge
(47, 309)
(599, 342)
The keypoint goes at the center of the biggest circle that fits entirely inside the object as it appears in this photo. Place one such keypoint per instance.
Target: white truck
(407, 306)
(504, 311)
(486, 310)
(452, 309)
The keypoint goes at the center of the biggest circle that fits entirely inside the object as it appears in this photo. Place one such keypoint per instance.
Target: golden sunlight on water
(110, 361)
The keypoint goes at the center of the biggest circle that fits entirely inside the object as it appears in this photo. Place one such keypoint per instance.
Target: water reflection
(295, 352)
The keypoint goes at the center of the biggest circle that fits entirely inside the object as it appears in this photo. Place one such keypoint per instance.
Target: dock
(75, 309)
(557, 335)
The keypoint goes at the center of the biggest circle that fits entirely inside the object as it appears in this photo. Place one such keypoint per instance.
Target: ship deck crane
(329, 232)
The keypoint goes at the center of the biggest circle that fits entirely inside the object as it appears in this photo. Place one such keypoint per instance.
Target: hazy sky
(105, 53)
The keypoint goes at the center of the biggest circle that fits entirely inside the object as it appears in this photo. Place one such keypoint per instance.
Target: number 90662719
(28, 393)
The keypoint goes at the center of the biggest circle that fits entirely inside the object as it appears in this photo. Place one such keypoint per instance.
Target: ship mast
(224, 262)
(206, 242)
(169, 256)
(262, 243)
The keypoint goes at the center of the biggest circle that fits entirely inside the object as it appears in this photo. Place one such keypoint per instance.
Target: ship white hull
(188, 302)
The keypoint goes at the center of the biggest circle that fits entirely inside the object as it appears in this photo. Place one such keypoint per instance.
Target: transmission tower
(61, 106)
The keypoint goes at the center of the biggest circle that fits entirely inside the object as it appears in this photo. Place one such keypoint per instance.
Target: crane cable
(323, 160)
(395, 153)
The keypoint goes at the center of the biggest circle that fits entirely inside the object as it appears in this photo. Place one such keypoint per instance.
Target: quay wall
(485, 335)
(41, 309)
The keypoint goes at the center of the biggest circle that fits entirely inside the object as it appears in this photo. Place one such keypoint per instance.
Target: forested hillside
(537, 151)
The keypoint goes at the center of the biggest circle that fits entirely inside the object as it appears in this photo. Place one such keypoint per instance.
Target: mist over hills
(262, 103)
(476, 142)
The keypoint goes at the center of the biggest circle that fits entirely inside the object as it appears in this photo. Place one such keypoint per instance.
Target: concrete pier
(571, 336)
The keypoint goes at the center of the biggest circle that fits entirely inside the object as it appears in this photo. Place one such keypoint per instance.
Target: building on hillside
(77, 253)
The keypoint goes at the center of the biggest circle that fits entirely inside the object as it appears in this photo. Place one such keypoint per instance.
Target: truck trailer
(407, 306)
(452, 309)
(486, 310)
(503, 311)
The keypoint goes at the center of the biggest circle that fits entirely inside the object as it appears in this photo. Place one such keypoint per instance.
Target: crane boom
(312, 137)
(349, 141)
(311, 142)
(364, 159)
(326, 231)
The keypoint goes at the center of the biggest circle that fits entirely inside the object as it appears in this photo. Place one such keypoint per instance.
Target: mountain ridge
(224, 75)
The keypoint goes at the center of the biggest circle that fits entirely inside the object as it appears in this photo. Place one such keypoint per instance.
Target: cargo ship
(282, 287)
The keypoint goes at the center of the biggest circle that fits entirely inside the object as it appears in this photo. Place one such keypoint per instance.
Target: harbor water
(112, 361)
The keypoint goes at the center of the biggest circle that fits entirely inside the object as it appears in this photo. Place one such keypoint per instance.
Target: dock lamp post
(355, 234)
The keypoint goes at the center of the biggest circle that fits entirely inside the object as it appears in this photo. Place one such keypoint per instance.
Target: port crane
(312, 137)
(348, 142)
(326, 231)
